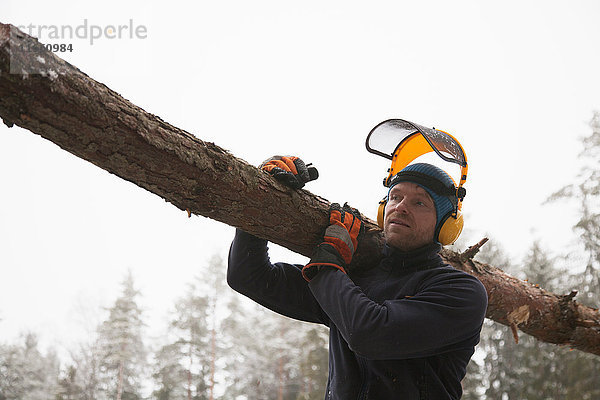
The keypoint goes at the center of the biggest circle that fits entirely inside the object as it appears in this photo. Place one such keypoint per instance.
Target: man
(403, 329)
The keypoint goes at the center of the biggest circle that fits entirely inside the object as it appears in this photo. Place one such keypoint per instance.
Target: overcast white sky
(515, 81)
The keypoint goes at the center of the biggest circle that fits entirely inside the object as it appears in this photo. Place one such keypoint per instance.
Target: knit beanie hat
(441, 188)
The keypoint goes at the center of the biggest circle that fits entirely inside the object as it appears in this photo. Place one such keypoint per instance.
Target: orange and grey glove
(339, 242)
(291, 171)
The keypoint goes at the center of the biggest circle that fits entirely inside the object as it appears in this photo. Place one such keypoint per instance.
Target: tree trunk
(44, 94)
(120, 380)
(213, 348)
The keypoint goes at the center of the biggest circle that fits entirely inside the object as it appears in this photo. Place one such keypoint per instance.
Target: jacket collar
(422, 258)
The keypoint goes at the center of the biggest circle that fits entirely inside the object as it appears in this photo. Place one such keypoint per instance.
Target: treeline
(530, 369)
(216, 346)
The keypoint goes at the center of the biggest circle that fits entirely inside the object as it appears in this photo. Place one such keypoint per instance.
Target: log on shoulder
(48, 96)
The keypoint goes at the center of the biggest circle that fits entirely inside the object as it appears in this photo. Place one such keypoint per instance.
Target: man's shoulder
(452, 276)
(457, 288)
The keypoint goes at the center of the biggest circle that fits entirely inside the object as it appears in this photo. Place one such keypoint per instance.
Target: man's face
(410, 217)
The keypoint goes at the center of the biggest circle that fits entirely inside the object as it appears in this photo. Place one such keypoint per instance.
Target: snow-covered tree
(26, 373)
(579, 373)
(190, 329)
(82, 375)
(68, 385)
(535, 370)
(271, 357)
(584, 193)
(186, 367)
(523, 370)
(314, 364)
(170, 376)
(123, 355)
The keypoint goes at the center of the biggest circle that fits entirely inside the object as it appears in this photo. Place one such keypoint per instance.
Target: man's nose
(400, 207)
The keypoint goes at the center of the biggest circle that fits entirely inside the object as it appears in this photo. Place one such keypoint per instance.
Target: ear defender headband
(402, 142)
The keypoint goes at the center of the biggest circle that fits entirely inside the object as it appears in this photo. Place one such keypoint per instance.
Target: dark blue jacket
(404, 329)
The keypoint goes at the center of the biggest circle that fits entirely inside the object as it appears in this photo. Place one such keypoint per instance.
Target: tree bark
(120, 379)
(44, 94)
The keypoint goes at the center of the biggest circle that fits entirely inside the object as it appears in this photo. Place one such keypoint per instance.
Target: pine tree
(314, 362)
(27, 374)
(473, 383)
(253, 363)
(83, 375)
(170, 376)
(255, 360)
(233, 330)
(12, 373)
(194, 363)
(272, 357)
(579, 373)
(533, 370)
(527, 369)
(68, 386)
(123, 355)
(488, 377)
(212, 283)
(190, 331)
(585, 192)
(286, 345)
(189, 360)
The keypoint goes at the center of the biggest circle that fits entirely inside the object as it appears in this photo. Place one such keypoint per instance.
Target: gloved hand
(339, 242)
(291, 171)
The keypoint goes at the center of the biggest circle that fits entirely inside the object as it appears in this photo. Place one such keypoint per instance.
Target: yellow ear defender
(450, 229)
(402, 142)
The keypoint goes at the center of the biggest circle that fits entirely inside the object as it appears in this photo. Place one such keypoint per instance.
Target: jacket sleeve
(280, 287)
(446, 314)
